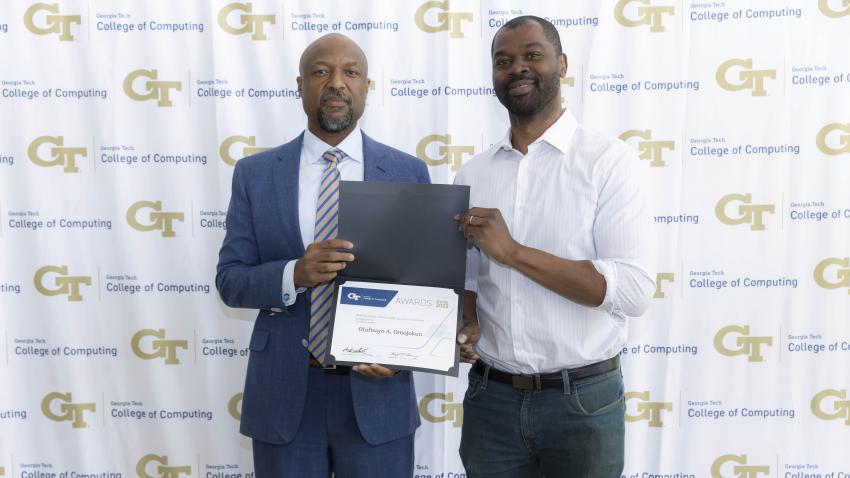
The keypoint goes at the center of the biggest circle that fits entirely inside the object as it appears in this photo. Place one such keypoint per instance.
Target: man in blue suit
(280, 255)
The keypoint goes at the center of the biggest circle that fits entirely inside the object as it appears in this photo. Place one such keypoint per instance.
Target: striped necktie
(327, 212)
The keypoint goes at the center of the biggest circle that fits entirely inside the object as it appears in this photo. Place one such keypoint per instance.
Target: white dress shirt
(309, 178)
(576, 195)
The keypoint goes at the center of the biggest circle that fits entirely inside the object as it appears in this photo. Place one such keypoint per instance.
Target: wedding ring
(470, 220)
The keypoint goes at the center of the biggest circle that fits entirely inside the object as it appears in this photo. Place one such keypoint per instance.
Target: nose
(518, 67)
(337, 80)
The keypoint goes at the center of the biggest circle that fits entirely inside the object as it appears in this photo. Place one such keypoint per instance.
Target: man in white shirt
(560, 262)
(280, 255)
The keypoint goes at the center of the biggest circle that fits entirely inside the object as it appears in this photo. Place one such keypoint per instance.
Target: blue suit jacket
(263, 234)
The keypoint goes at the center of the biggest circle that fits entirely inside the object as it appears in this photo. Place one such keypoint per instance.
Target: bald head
(329, 45)
(333, 83)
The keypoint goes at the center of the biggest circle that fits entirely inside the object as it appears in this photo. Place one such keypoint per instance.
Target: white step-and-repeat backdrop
(122, 120)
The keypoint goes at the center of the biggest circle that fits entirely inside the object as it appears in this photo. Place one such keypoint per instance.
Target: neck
(332, 139)
(526, 129)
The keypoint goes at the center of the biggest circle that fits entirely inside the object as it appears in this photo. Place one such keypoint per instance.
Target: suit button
(304, 342)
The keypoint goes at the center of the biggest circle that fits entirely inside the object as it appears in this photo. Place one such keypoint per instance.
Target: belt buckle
(526, 382)
(329, 367)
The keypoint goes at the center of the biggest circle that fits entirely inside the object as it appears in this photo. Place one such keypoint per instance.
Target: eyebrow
(322, 61)
(526, 47)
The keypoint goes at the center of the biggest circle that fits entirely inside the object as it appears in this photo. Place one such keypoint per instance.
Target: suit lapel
(285, 182)
(375, 162)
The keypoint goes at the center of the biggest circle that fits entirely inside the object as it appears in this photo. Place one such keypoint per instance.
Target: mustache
(336, 95)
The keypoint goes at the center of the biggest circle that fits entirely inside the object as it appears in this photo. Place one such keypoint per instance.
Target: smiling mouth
(521, 87)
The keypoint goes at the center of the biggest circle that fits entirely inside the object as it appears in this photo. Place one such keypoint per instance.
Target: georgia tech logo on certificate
(234, 406)
(244, 22)
(63, 283)
(747, 78)
(826, 8)
(747, 213)
(156, 220)
(660, 279)
(446, 152)
(653, 151)
(736, 466)
(159, 347)
(44, 19)
(156, 466)
(834, 139)
(68, 411)
(226, 153)
(833, 273)
(153, 88)
(444, 409)
(445, 19)
(646, 410)
(831, 404)
(634, 13)
(65, 156)
(744, 343)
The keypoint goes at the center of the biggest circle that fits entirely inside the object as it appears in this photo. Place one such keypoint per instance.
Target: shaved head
(333, 83)
(328, 44)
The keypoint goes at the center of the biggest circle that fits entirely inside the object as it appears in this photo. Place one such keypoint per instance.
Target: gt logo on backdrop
(647, 14)
(740, 468)
(225, 153)
(832, 132)
(446, 153)
(568, 81)
(648, 149)
(446, 20)
(51, 21)
(157, 220)
(248, 22)
(824, 273)
(65, 156)
(646, 410)
(154, 89)
(747, 213)
(63, 284)
(68, 410)
(156, 466)
(747, 78)
(839, 409)
(449, 411)
(660, 279)
(826, 8)
(160, 347)
(745, 344)
(234, 406)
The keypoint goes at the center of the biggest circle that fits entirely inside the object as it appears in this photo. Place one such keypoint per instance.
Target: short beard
(536, 101)
(335, 125)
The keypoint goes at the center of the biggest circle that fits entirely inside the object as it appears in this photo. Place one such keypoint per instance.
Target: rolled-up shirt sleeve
(473, 257)
(623, 234)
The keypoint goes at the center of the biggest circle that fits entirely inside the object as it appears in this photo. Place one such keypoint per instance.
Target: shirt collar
(559, 135)
(314, 147)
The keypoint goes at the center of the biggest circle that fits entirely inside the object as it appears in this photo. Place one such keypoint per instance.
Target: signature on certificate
(355, 350)
(404, 355)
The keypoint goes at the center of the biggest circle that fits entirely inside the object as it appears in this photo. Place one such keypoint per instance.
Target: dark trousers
(328, 440)
(574, 432)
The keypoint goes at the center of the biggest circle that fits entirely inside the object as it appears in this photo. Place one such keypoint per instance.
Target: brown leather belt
(547, 380)
(330, 369)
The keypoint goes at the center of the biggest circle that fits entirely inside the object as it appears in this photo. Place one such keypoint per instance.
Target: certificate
(399, 326)
(399, 303)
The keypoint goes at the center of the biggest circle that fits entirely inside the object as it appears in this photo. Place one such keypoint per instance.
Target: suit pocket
(259, 340)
